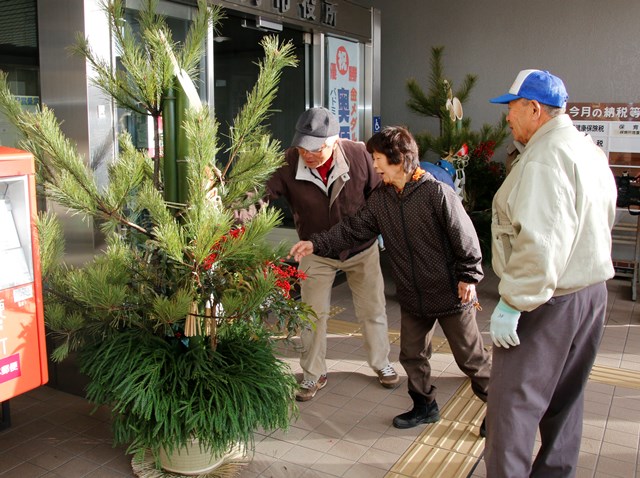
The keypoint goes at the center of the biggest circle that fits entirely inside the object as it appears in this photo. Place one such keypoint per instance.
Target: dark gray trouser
(461, 331)
(540, 383)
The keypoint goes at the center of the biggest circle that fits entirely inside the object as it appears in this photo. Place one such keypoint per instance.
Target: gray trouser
(367, 288)
(540, 384)
(461, 331)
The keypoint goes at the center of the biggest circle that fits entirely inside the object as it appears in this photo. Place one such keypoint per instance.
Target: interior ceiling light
(262, 24)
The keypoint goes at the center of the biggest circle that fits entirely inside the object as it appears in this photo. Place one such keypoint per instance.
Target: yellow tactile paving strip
(449, 448)
(335, 310)
(615, 376)
(452, 447)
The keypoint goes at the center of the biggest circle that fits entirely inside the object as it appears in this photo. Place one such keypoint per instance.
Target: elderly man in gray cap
(325, 179)
(552, 220)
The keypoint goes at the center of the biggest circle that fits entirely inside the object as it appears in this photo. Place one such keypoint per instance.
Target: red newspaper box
(23, 355)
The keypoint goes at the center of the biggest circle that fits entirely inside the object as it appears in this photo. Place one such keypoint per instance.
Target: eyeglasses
(315, 151)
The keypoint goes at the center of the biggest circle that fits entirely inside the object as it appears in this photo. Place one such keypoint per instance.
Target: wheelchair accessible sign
(377, 124)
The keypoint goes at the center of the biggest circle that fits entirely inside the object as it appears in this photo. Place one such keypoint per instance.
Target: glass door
(236, 51)
(178, 19)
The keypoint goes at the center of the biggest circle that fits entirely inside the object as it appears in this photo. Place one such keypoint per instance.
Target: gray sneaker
(388, 377)
(308, 388)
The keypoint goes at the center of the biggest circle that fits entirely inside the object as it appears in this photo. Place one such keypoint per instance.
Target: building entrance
(236, 53)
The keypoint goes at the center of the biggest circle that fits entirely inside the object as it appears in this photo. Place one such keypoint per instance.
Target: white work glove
(504, 322)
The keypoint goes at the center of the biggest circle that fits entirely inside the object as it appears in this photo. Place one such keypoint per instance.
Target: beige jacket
(552, 218)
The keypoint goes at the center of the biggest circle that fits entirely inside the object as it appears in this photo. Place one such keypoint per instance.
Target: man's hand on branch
(301, 249)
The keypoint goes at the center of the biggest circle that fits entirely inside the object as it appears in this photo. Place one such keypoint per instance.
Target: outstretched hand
(301, 249)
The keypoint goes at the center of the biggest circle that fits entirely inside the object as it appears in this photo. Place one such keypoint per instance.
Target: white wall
(593, 45)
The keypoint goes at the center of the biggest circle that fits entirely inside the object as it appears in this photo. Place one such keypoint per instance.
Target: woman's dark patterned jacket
(430, 240)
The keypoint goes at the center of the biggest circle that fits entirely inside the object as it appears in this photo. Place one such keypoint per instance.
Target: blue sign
(377, 124)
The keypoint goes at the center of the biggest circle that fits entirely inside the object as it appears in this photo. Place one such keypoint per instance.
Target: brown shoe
(388, 377)
(308, 388)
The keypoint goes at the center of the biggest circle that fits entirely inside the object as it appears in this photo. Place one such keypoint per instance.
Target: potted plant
(483, 177)
(174, 320)
(469, 152)
(445, 104)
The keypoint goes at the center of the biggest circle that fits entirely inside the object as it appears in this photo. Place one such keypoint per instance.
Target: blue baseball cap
(447, 166)
(537, 85)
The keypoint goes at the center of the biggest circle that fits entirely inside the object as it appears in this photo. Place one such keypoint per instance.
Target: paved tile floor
(345, 431)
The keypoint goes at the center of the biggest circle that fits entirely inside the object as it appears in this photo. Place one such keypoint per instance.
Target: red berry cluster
(285, 276)
(211, 258)
(484, 151)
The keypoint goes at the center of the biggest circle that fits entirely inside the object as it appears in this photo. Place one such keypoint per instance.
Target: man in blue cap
(552, 220)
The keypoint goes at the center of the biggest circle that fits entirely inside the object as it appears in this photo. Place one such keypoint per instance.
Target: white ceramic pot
(190, 460)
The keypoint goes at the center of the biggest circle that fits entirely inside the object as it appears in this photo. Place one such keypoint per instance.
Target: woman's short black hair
(398, 145)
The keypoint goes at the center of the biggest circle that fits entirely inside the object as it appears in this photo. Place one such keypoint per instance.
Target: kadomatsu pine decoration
(174, 320)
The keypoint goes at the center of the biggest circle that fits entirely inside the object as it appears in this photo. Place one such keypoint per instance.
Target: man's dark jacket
(316, 211)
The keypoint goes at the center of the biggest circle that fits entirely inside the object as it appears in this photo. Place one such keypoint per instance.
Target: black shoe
(483, 428)
(417, 416)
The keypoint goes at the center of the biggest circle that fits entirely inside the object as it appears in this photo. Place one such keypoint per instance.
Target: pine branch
(421, 103)
(197, 34)
(465, 90)
(203, 173)
(115, 85)
(51, 241)
(259, 100)
(452, 133)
